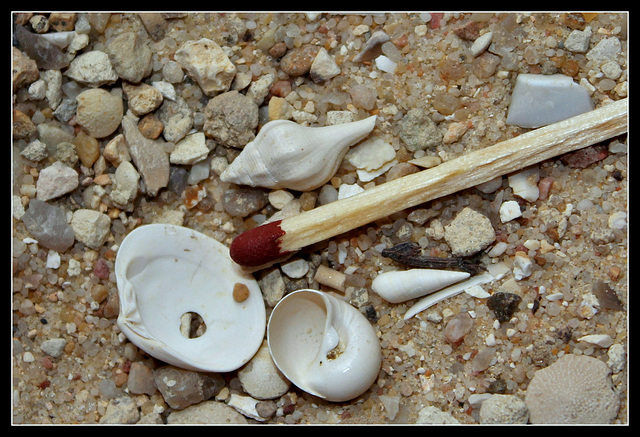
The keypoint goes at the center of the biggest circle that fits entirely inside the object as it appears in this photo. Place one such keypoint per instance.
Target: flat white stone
(538, 100)
(509, 210)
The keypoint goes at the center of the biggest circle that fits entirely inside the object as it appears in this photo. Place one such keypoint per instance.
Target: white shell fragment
(538, 100)
(165, 273)
(323, 345)
(403, 285)
(525, 183)
(285, 154)
(494, 272)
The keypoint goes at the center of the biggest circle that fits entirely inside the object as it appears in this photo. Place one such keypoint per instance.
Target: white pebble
(53, 259)
(538, 100)
(509, 210)
(481, 43)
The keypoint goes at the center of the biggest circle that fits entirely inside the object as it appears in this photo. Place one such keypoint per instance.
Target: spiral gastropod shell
(164, 272)
(403, 285)
(323, 345)
(285, 154)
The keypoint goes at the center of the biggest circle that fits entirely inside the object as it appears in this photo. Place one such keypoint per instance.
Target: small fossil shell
(285, 154)
(167, 273)
(403, 285)
(323, 345)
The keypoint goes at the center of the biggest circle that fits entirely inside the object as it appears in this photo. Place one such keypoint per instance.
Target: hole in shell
(192, 325)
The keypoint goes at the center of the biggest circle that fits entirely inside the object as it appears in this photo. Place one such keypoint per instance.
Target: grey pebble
(53, 347)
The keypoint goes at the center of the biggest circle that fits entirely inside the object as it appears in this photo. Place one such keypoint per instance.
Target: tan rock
(99, 112)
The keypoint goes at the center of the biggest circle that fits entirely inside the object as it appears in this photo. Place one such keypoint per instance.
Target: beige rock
(207, 64)
(99, 112)
(142, 98)
(24, 70)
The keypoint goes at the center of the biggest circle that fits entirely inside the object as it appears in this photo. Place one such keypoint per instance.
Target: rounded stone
(261, 378)
(99, 112)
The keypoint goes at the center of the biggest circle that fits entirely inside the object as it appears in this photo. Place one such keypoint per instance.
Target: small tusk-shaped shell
(285, 154)
(494, 273)
(323, 345)
(400, 286)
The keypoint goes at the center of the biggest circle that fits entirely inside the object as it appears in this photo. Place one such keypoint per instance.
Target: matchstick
(267, 243)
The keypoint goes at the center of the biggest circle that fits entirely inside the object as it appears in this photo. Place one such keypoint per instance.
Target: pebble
(150, 126)
(66, 110)
(231, 119)
(172, 72)
(93, 69)
(87, 148)
(522, 266)
(348, 190)
(90, 227)
(130, 56)
(53, 260)
(177, 118)
(122, 410)
(606, 50)
(418, 131)
(116, 150)
(126, 186)
(141, 379)
(576, 389)
(23, 127)
(259, 89)
(48, 224)
(53, 94)
(481, 44)
(578, 41)
(503, 409)
(272, 286)
(190, 150)
(503, 305)
(35, 151)
(539, 99)
(24, 70)
(509, 210)
(524, 183)
(151, 161)
(208, 412)
(363, 96)
(457, 327)
(53, 347)
(242, 201)
(295, 269)
(324, 67)
(455, 131)
(182, 388)
(206, 63)
(56, 180)
(617, 358)
(167, 90)
(99, 112)
(469, 233)
(142, 98)
(385, 64)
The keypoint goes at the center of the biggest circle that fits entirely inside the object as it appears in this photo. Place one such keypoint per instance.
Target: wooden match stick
(267, 243)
